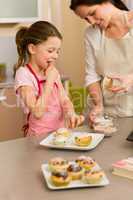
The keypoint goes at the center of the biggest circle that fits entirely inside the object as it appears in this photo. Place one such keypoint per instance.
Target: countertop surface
(21, 177)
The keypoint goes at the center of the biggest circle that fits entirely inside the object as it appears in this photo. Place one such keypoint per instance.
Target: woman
(109, 47)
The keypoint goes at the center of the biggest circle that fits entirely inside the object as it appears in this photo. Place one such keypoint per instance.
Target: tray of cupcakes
(79, 173)
(76, 140)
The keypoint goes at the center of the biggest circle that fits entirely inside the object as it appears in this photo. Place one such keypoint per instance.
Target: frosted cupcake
(60, 140)
(63, 131)
(58, 164)
(75, 171)
(93, 177)
(86, 162)
(83, 140)
(60, 178)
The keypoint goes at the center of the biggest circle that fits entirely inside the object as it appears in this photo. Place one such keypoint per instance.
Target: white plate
(73, 184)
(96, 139)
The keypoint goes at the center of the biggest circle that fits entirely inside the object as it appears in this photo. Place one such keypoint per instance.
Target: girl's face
(46, 52)
(99, 14)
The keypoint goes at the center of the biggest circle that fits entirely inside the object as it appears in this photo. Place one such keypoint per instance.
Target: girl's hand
(51, 73)
(73, 120)
(125, 85)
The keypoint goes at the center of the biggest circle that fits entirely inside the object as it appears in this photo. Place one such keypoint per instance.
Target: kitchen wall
(72, 59)
(72, 28)
(129, 3)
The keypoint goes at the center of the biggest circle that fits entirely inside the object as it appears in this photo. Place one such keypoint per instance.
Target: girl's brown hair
(37, 33)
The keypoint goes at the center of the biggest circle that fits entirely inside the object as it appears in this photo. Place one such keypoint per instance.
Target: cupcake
(107, 83)
(83, 140)
(60, 140)
(60, 178)
(86, 162)
(63, 131)
(75, 171)
(93, 177)
(58, 164)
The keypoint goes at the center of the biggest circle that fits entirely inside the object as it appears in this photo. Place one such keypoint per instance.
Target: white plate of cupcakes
(82, 172)
(76, 140)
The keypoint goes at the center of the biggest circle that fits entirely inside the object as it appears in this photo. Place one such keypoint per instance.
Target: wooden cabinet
(11, 116)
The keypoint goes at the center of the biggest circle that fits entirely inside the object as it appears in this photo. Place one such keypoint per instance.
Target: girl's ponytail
(21, 47)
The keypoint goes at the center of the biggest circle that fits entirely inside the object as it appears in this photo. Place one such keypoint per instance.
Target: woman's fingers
(82, 118)
(119, 78)
(92, 116)
(118, 89)
(123, 84)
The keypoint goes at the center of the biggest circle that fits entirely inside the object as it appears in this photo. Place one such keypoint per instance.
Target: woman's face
(99, 14)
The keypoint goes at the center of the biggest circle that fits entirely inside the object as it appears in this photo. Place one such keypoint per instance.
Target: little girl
(38, 83)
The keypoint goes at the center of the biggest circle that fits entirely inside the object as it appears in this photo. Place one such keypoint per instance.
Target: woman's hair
(37, 33)
(118, 3)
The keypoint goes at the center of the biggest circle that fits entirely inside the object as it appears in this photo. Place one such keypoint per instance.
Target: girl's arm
(72, 119)
(36, 106)
(65, 100)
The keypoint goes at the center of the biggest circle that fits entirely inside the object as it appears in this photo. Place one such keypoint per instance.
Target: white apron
(115, 57)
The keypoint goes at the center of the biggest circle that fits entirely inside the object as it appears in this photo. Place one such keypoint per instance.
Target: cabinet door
(11, 117)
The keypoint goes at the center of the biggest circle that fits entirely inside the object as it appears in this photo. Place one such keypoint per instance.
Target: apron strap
(37, 79)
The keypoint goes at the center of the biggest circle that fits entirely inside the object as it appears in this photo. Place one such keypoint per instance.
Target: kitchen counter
(21, 177)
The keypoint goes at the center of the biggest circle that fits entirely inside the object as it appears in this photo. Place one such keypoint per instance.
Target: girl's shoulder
(22, 69)
(23, 77)
(23, 74)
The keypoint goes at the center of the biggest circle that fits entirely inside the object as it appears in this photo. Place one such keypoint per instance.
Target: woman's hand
(94, 113)
(125, 84)
(73, 120)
